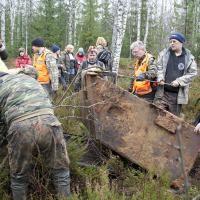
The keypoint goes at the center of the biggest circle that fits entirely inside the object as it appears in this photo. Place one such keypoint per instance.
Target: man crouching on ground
(29, 116)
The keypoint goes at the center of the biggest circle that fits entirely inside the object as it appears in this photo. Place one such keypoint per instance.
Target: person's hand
(141, 77)
(161, 82)
(130, 89)
(54, 93)
(1, 43)
(197, 128)
(175, 83)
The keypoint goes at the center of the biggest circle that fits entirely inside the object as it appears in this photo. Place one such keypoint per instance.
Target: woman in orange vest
(144, 72)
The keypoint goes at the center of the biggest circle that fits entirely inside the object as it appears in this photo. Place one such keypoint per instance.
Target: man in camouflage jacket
(28, 114)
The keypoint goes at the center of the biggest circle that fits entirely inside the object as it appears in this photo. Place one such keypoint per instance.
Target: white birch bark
(18, 21)
(139, 19)
(70, 32)
(12, 6)
(3, 20)
(26, 25)
(67, 3)
(147, 24)
(121, 8)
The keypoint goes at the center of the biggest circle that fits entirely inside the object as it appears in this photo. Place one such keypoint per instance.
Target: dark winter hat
(38, 42)
(177, 36)
(55, 48)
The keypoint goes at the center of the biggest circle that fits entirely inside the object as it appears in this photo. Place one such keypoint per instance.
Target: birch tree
(121, 13)
(72, 21)
(3, 20)
(12, 7)
(139, 10)
(147, 24)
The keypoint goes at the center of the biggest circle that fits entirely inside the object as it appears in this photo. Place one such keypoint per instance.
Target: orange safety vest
(39, 62)
(142, 87)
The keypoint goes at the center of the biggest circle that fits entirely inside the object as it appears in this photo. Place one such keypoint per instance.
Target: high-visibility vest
(39, 62)
(142, 87)
(3, 67)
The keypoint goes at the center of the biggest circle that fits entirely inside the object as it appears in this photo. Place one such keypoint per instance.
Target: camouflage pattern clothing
(52, 67)
(21, 95)
(52, 71)
(70, 65)
(44, 134)
(28, 114)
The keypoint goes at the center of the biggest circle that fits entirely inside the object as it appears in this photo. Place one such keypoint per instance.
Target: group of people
(165, 82)
(27, 111)
(56, 67)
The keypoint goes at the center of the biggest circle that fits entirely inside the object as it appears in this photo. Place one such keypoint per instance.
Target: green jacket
(190, 72)
(22, 97)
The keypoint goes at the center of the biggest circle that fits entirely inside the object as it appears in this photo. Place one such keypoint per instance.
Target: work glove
(197, 128)
(130, 89)
(77, 88)
(54, 93)
(175, 83)
(141, 77)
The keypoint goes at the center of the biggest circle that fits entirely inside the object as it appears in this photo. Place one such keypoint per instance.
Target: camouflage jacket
(66, 60)
(22, 97)
(52, 67)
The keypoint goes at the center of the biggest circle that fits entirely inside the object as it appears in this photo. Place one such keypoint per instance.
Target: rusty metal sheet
(126, 124)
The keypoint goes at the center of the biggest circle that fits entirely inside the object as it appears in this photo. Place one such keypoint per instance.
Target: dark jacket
(84, 66)
(3, 52)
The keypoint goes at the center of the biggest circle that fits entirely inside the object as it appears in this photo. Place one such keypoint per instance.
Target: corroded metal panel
(136, 129)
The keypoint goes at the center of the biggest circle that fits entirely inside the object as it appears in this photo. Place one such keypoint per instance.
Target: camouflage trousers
(45, 134)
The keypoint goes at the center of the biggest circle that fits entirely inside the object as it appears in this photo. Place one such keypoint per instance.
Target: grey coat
(190, 72)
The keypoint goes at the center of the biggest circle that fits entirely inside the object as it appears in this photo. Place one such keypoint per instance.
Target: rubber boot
(18, 185)
(61, 180)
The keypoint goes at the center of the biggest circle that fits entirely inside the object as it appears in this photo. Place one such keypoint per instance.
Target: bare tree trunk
(19, 17)
(12, 6)
(3, 21)
(72, 25)
(186, 15)
(121, 8)
(139, 19)
(26, 26)
(147, 24)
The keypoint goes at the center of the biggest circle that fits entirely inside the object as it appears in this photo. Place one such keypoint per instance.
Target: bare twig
(3, 162)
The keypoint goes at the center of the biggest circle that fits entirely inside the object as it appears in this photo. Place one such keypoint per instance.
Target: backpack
(104, 56)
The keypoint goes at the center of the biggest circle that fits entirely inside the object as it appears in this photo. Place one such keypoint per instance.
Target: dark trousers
(62, 80)
(169, 103)
(148, 97)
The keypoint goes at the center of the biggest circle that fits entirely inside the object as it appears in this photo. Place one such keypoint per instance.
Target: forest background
(80, 23)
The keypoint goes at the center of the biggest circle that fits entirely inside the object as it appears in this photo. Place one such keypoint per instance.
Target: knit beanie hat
(177, 36)
(38, 42)
(80, 50)
(55, 48)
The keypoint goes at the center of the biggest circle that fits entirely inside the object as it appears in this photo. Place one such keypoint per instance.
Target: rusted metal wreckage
(137, 130)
